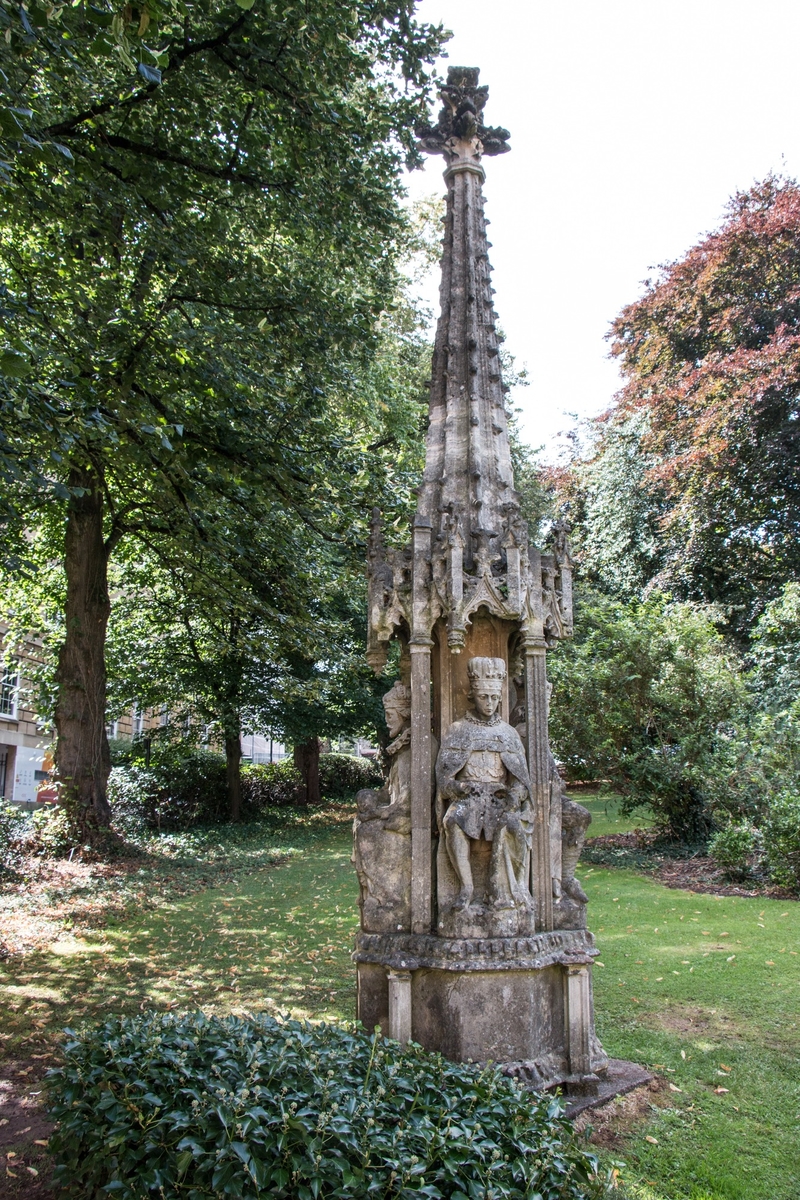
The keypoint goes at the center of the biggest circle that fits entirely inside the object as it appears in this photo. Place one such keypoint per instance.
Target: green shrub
(342, 775)
(183, 786)
(48, 832)
(269, 785)
(781, 834)
(13, 821)
(208, 1107)
(643, 697)
(733, 847)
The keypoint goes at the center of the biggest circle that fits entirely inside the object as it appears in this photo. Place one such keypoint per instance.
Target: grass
(271, 936)
(705, 990)
(606, 817)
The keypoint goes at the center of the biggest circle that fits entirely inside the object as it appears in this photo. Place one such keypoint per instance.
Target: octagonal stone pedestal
(523, 1002)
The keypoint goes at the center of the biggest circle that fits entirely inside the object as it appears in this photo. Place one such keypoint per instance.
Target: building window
(9, 691)
(138, 722)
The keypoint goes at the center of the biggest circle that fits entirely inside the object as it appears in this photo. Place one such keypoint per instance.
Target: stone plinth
(524, 1002)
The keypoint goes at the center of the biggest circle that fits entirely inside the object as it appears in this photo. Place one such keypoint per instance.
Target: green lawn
(606, 817)
(705, 990)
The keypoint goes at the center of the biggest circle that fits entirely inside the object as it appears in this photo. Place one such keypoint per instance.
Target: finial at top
(460, 120)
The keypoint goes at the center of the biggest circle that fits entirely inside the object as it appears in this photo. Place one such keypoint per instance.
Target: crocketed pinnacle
(467, 489)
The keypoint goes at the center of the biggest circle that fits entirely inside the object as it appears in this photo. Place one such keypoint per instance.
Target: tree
(644, 697)
(711, 363)
(199, 237)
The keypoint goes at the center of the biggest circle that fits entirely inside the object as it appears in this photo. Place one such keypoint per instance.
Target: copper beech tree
(201, 216)
(710, 357)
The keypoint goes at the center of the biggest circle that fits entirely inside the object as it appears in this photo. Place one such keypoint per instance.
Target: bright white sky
(632, 122)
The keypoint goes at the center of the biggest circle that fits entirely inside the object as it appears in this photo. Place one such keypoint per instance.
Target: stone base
(618, 1078)
(522, 1002)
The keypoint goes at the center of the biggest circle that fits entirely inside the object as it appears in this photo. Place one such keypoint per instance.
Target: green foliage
(182, 787)
(185, 786)
(733, 849)
(781, 834)
(44, 832)
(341, 775)
(49, 833)
(775, 651)
(269, 785)
(209, 1107)
(12, 822)
(198, 248)
(642, 699)
(615, 510)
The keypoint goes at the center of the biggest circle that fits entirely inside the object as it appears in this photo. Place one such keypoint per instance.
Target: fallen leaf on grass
(673, 1088)
(41, 1142)
(720, 1091)
(725, 1067)
(653, 1141)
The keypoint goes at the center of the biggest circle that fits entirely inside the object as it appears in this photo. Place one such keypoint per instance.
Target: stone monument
(473, 933)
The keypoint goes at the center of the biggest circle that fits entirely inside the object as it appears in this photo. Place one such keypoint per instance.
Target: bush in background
(186, 786)
(269, 785)
(183, 786)
(643, 697)
(342, 775)
(204, 1106)
(12, 824)
(734, 848)
(781, 834)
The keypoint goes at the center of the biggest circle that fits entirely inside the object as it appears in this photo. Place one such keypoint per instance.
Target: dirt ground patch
(24, 1131)
(611, 1123)
(695, 873)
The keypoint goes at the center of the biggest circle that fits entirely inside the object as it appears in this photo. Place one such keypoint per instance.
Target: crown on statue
(398, 699)
(486, 673)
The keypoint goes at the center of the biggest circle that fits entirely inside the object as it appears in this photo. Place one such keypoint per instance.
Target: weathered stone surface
(382, 830)
(410, 951)
(483, 803)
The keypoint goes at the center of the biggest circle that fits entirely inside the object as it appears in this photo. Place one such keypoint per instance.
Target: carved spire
(468, 477)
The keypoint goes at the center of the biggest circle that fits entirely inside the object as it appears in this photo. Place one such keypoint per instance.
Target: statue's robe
(483, 811)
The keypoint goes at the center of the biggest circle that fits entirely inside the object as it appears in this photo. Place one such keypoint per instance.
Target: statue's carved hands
(454, 789)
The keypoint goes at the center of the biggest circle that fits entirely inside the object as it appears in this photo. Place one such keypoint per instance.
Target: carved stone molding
(408, 952)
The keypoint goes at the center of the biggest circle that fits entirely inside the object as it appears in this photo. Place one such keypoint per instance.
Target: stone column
(400, 1006)
(539, 767)
(421, 765)
(578, 1022)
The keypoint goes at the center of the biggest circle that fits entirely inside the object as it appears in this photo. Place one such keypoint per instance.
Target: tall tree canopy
(199, 236)
(711, 361)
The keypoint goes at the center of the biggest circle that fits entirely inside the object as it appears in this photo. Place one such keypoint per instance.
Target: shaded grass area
(270, 936)
(705, 989)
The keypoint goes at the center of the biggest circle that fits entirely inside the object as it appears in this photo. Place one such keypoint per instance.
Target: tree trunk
(306, 759)
(233, 763)
(82, 758)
